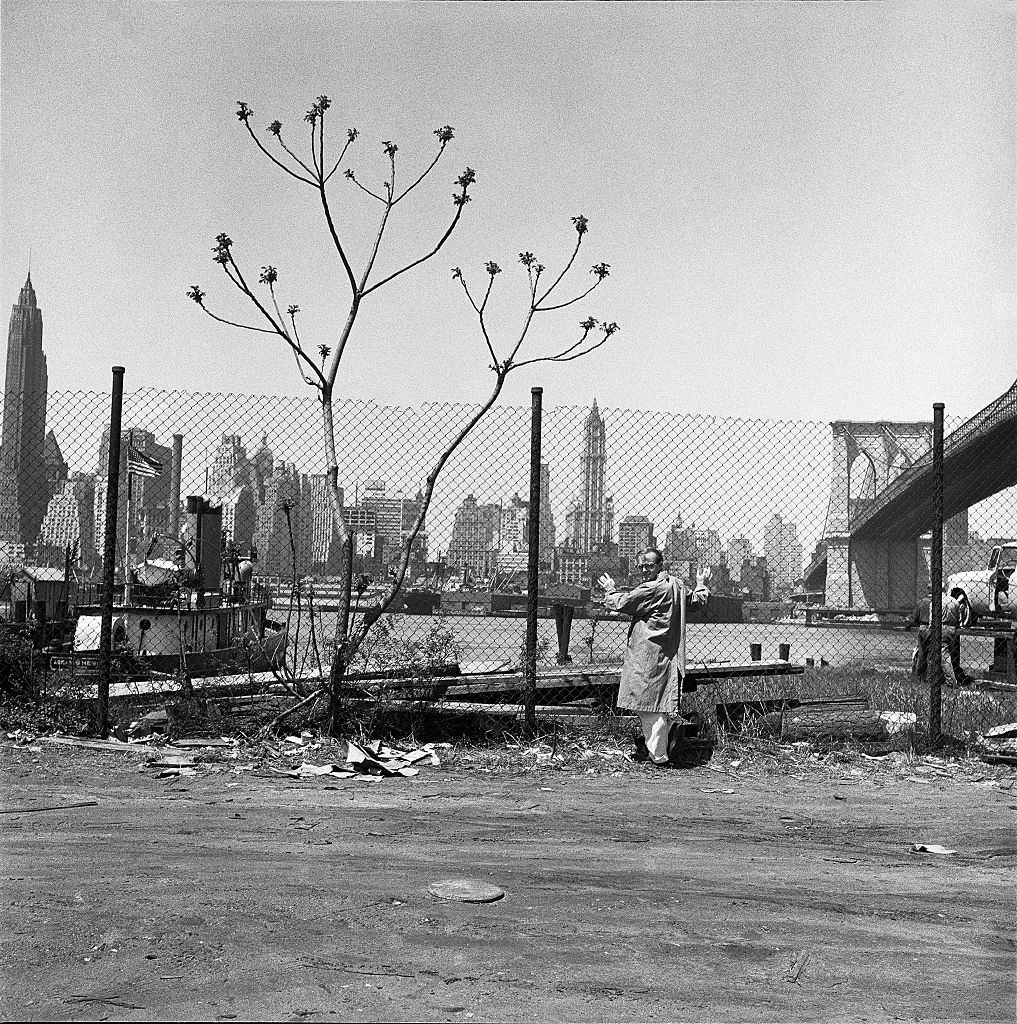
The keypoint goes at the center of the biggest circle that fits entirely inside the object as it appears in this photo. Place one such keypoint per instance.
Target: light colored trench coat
(654, 665)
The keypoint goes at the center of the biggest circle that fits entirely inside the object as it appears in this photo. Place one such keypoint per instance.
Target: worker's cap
(956, 592)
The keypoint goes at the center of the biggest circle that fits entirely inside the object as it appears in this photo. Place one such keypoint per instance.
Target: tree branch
(522, 337)
(233, 323)
(430, 167)
(457, 273)
(335, 239)
(278, 163)
(563, 357)
(432, 478)
(562, 305)
(374, 195)
(572, 259)
(351, 134)
(416, 263)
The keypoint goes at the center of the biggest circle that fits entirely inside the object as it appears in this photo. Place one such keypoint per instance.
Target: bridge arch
(888, 447)
(901, 463)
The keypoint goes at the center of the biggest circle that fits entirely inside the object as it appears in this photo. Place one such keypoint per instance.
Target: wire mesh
(229, 563)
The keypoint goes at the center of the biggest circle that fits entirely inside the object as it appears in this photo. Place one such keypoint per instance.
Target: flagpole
(127, 542)
(127, 532)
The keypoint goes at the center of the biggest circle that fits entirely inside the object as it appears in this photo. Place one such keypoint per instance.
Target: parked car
(988, 590)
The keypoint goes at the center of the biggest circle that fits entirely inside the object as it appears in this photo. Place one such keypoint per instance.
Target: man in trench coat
(654, 664)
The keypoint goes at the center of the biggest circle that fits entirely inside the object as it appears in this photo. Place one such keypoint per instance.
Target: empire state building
(23, 491)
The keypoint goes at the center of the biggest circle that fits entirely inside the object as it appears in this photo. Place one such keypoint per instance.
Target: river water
(493, 639)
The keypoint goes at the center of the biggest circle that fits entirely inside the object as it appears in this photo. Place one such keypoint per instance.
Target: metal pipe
(109, 555)
(533, 559)
(175, 473)
(936, 580)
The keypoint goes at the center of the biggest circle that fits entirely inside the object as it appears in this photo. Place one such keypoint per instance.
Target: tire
(970, 616)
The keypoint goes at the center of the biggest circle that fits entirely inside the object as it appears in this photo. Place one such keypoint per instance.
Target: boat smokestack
(175, 470)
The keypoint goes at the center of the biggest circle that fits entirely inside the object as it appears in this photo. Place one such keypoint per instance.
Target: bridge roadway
(979, 460)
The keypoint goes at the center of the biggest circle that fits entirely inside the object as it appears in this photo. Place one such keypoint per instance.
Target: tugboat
(171, 622)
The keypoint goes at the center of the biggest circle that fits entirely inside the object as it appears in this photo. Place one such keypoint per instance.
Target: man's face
(649, 567)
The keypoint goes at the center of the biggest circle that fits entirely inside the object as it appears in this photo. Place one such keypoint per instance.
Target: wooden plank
(555, 684)
(702, 671)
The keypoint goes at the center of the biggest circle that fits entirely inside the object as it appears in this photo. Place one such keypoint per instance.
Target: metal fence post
(533, 561)
(936, 575)
(109, 555)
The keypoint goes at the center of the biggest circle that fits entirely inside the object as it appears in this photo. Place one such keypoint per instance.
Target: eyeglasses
(648, 566)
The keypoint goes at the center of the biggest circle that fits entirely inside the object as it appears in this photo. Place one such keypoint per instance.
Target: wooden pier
(556, 685)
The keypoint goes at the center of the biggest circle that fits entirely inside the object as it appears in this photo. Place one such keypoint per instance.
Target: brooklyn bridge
(874, 554)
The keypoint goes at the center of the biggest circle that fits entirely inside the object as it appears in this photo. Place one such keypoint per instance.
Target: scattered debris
(1002, 732)
(898, 721)
(466, 890)
(723, 792)
(104, 1000)
(205, 741)
(53, 807)
(156, 721)
(305, 769)
(795, 968)
(375, 758)
(172, 761)
(999, 745)
(932, 848)
(76, 741)
(999, 758)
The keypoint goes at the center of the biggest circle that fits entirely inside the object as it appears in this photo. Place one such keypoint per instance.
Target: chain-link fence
(229, 565)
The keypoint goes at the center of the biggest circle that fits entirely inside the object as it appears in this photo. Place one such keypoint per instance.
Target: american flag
(140, 464)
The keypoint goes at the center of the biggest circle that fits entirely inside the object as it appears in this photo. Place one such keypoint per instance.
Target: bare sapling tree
(319, 365)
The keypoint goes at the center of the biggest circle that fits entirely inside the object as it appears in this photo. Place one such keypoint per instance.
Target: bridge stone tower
(872, 574)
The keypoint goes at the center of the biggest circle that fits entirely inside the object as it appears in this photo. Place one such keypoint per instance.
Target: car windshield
(1008, 557)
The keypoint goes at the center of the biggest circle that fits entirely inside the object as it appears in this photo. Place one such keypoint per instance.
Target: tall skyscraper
(680, 543)
(324, 550)
(70, 520)
(150, 496)
(783, 554)
(590, 518)
(738, 550)
(546, 548)
(23, 491)
(635, 533)
(708, 547)
(230, 486)
(475, 532)
(281, 494)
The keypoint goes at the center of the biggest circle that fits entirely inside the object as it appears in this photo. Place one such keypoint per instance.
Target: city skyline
(584, 445)
(751, 525)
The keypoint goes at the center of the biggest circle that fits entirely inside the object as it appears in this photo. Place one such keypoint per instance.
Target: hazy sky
(809, 210)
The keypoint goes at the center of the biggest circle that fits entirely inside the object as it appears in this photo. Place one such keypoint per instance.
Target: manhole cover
(466, 890)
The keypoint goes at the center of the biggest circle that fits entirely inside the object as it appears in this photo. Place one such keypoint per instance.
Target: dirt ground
(629, 895)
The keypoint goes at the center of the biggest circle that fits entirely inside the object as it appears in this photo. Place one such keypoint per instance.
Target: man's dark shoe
(640, 754)
(676, 741)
